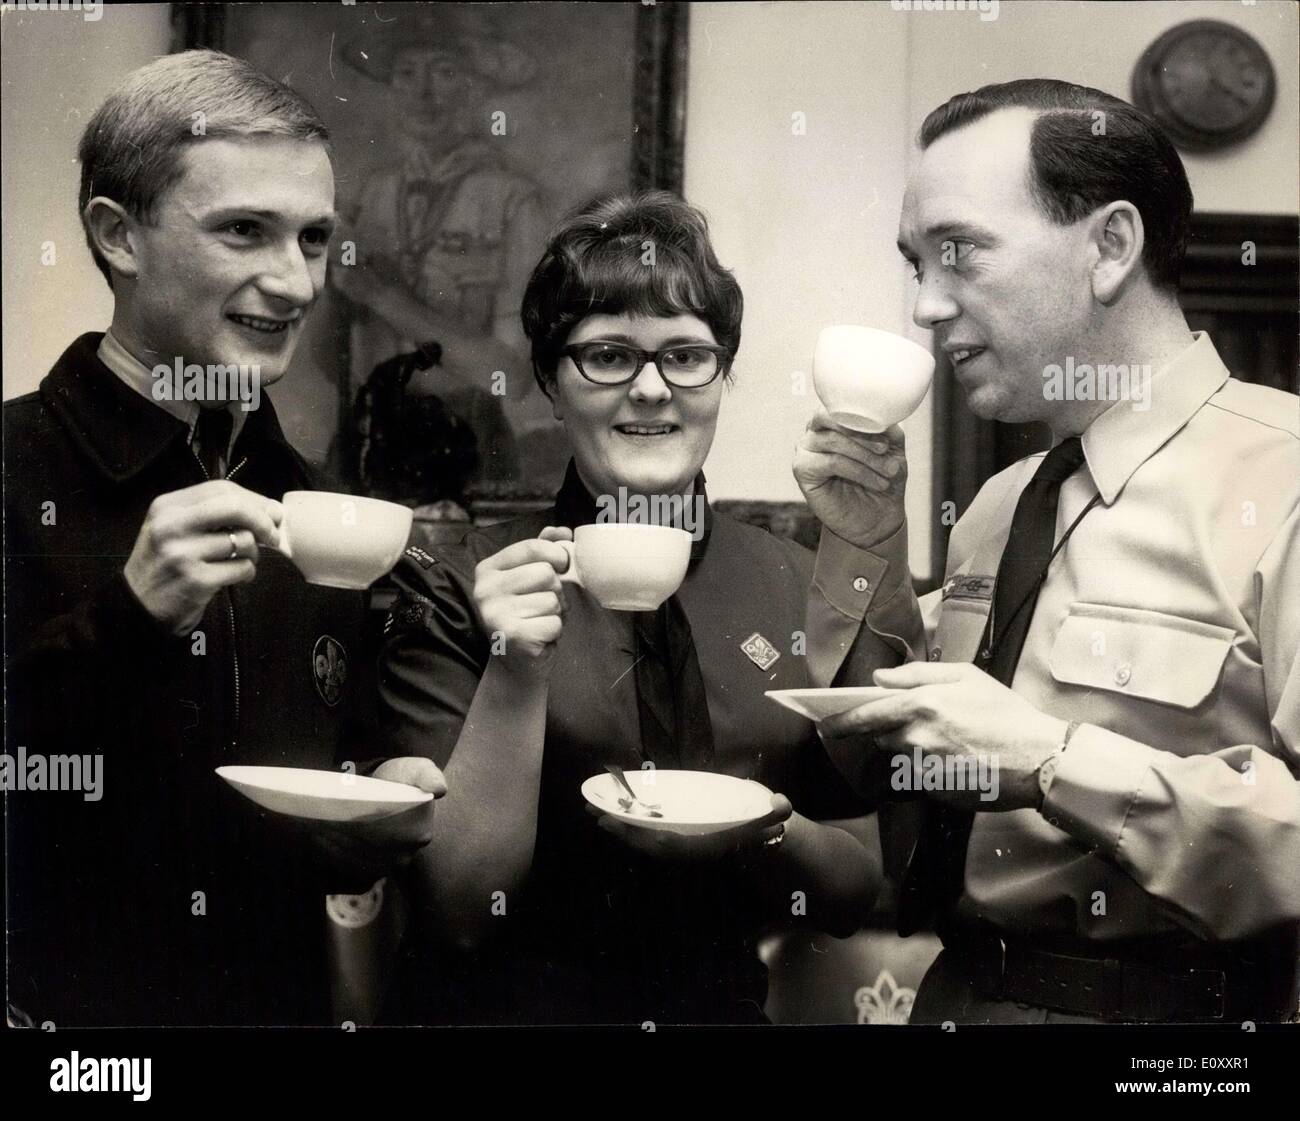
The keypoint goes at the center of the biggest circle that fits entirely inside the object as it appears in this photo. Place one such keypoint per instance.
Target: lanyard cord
(1038, 583)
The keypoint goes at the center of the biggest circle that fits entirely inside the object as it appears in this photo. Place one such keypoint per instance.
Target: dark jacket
(600, 933)
(106, 923)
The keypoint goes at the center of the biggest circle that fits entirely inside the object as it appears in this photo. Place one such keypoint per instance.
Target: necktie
(212, 438)
(935, 875)
(672, 707)
(676, 731)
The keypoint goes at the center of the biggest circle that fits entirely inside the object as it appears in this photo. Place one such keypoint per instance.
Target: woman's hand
(710, 846)
(853, 481)
(365, 851)
(520, 601)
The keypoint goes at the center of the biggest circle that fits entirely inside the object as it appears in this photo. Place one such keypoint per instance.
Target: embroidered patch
(759, 651)
(970, 587)
(409, 612)
(329, 664)
(420, 556)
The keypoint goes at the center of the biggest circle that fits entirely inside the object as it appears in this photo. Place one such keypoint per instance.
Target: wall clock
(1208, 84)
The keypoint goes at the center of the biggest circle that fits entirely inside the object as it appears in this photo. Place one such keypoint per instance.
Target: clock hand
(1230, 91)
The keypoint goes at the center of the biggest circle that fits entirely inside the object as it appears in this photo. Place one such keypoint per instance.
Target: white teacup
(628, 567)
(342, 540)
(869, 379)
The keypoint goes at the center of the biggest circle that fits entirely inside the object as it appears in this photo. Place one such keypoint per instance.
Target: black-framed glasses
(684, 366)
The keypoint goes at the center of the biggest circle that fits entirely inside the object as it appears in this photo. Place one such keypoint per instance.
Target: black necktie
(936, 872)
(676, 731)
(672, 708)
(212, 437)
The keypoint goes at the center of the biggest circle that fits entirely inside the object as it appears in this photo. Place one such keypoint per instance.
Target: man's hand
(853, 481)
(518, 595)
(365, 851)
(182, 554)
(953, 710)
(711, 846)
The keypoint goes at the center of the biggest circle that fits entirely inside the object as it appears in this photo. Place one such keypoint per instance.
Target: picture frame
(460, 133)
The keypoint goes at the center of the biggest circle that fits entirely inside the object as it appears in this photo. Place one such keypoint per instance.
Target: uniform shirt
(604, 934)
(1168, 626)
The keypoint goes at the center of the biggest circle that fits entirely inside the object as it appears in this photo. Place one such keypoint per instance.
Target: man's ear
(111, 231)
(1118, 238)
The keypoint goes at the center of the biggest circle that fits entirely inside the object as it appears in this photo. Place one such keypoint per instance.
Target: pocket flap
(1140, 653)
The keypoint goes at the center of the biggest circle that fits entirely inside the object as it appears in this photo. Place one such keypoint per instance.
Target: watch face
(1207, 83)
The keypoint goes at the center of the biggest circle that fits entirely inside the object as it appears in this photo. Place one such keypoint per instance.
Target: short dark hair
(596, 263)
(131, 149)
(1074, 169)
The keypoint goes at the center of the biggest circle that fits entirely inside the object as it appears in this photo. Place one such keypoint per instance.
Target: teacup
(628, 567)
(869, 379)
(342, 540)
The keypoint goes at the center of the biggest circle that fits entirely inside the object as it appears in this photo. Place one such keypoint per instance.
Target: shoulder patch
(410, 611)
(423, 559)
(970, 587)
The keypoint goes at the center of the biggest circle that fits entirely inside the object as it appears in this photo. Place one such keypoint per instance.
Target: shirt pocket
(1139, 653)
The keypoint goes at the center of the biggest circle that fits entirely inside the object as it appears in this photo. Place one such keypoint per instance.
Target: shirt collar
(123, 433)
(131, 371)
(1124, 437)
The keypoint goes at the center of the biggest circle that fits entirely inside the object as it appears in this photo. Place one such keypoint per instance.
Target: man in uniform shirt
(143, 626)
(1130, 600)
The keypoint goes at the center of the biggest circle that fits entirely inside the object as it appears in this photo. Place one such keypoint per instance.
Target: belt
(1108, 988)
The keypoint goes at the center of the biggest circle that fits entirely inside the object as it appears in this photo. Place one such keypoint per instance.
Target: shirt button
(1123, 673)
(936, 653)
(861, 584)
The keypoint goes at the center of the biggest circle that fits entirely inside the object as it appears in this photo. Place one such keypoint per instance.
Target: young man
(144, 630)
(1130, 600)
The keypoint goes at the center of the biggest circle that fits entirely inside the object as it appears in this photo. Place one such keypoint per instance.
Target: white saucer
(323, 795)
(818, 704)
(693, 803)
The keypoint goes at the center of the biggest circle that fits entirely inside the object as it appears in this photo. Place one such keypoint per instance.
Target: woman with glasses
(537, 911)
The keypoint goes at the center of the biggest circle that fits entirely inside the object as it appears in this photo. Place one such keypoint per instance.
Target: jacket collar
(118, 430)
(1124, 437)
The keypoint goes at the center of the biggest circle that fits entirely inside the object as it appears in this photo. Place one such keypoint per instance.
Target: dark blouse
(602, 933)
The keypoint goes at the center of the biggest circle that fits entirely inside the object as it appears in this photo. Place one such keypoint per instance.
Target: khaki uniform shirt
(1168, 626)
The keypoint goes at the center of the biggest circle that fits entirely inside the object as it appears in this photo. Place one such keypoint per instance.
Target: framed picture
(461, 133)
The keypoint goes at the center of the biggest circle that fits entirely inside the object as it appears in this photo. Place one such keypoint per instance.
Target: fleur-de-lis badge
(885, 1002)
(329, 663)
(759, 651)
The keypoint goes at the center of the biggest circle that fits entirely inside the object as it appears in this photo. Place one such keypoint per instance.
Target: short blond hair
(131, 149)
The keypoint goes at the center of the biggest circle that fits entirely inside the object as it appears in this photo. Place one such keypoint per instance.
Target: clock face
(1207, 83)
